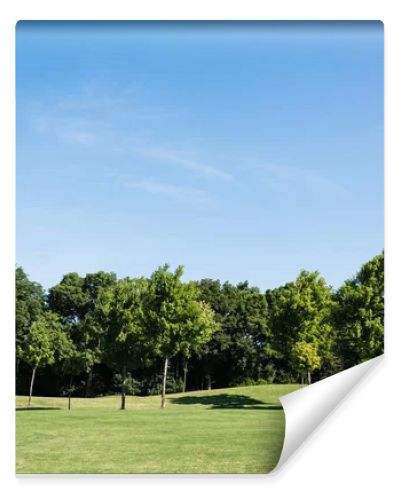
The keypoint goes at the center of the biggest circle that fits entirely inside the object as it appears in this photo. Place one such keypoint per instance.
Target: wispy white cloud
(71, 129)
(81, 137)
(87, 102)
(183, 160)
(310, 179)
(92, 98)
(91, 117)
(180, 193)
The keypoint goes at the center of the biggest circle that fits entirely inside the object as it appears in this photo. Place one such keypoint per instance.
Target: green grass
(238, 430)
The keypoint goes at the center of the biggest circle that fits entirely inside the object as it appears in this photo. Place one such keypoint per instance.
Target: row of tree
(98, 335)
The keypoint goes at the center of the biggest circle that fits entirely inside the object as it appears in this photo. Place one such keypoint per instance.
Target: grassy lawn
(238, 430)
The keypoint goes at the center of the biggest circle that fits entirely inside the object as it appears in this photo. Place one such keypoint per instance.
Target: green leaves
(300, 319)
(176, 320)
(75, 299)
(120, 312)
(305, 356)
(46, 342)
(68, 298)
(359, 314)
(220, 333)
(237, 350)
(29, 304)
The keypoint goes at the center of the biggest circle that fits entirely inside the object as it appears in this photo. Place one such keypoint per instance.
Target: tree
(205, 334)
(45, 343)
(176, 320)
(89, 333)
(211, 358)
(120, 311)
(74, 299)
(29, 304)
(301, 311)
(238, 351)
(69, 299)
(359, 314)
(198, 326)
(305, 357)
(247, 326)
(74, 362)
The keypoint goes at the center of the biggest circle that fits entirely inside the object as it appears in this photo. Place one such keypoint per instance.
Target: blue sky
(240, 150)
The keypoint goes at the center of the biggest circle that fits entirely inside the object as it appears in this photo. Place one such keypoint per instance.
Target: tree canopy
(176, 320)
(161, 334)
(359, 314)
(29, 303)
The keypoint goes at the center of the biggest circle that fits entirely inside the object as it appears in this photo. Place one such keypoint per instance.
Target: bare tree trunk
(123, 387)
(69, 393)
(176, 367)
(88, 392)
(208, 378)
(309, 377)
(164, 382)
(185, 370)
(31, 387)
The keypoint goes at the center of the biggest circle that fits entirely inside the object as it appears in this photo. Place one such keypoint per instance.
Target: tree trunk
(309, 377)
(164, 382)
(69, 393)
(123, 387)
(89, 383)
(31, 387)
(185, 370)
(208, 378)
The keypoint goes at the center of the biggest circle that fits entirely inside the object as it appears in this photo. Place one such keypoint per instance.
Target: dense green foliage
(46, 342)
(359, 314)
(301, 317)
(30, 303)
(161, 335)
(121, 316)
(176, 321)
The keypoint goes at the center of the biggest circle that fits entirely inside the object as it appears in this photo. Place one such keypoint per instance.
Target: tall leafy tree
(211, 358)
(94, 283)
(89, 333)
(74, 299)
(73, 363)
(359, 314)
(69, 299)
(247, 325)
(237, 351)
(176, 320)
(198, 325)
(45, 343)
(120, 311)
(301, 311)
(29, 304)
(305, 357)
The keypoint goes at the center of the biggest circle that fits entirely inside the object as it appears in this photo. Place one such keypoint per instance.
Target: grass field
(238, 430)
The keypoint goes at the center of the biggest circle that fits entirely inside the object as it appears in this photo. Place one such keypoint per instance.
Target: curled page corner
(306, 408)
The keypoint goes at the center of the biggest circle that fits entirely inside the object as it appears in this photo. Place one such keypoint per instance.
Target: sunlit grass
(237, 430)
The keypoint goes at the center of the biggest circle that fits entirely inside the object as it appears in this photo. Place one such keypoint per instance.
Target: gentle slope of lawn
(238, 430)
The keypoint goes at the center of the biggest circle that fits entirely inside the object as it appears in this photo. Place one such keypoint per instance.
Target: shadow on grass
(226, 401)
(32, 408)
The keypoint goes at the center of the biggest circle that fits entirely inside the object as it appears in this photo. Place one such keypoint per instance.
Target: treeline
(98, 335)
